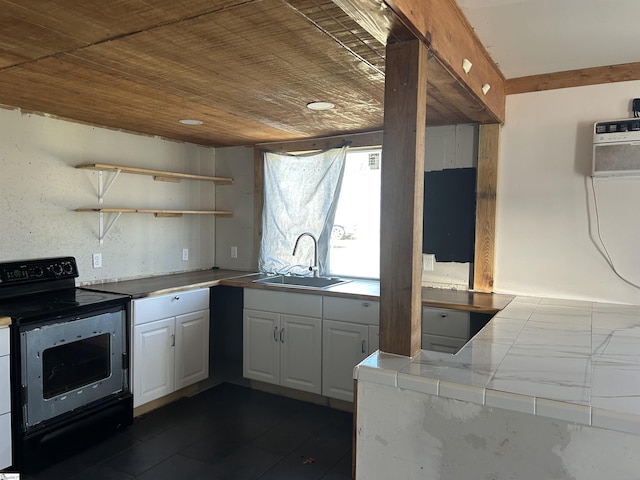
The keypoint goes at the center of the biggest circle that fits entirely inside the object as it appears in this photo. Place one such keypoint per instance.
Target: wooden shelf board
(158, 213)
(157, 174)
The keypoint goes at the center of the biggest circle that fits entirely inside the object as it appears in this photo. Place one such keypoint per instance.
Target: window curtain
(300, 196)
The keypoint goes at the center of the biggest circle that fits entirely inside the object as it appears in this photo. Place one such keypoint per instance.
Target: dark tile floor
(227, 432)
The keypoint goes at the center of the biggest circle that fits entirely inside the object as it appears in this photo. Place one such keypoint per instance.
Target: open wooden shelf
(159, 175)
(104, 229)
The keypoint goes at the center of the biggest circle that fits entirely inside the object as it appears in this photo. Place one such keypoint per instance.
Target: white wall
(237, 163)
(40, 188)
(545, 209)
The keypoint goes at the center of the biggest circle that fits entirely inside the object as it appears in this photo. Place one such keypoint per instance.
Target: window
(355, 237)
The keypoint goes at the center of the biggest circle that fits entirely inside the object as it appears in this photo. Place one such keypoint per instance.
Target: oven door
(70, 363)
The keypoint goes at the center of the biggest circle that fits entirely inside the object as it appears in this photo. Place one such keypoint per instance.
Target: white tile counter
(574, 361)
(547, 389)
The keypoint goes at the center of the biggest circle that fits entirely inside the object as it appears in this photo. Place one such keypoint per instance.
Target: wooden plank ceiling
(247, 69)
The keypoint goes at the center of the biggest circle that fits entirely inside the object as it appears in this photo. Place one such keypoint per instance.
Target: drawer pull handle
(177, 297)
(366, 304)
(275, 334)
(364, 346)
(282, 335)
(443, 315)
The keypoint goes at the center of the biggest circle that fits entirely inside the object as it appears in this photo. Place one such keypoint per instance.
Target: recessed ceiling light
(190, 121)
(320, 105)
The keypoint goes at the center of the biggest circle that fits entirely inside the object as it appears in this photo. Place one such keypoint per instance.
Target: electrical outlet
(185, 254)
(97, 260)
(234, 252)
(428, 262)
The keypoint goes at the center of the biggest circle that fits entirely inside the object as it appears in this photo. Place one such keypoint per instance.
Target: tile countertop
(568, 360)
(354, 288)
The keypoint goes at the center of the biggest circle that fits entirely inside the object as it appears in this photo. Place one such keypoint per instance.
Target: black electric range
(69, 363)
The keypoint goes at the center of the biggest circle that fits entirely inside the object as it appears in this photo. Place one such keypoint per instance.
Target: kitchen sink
(309, 282)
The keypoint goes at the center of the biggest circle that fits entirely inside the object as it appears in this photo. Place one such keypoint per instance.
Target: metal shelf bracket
(103, 189)
(105, 230)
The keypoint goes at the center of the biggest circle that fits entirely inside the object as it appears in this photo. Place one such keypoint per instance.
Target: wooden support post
(488, 145)
(405, 105)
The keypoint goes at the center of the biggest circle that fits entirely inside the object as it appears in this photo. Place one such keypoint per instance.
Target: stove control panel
(37, 270)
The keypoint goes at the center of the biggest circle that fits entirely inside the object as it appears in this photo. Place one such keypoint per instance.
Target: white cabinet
(282, 339)
(192, 340)
(170, 343)
(349, 335)
(153, 360)
(344, 346)
(444, 330)
(261, 347)
(5, 400)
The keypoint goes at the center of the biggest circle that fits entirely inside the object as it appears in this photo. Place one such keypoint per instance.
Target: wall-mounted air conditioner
(616, 148)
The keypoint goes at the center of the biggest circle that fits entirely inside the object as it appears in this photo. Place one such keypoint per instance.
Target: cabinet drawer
(283, 302)
(165, 306)
(450, 323)
(437, 343)
(351, 310)
(4, 341)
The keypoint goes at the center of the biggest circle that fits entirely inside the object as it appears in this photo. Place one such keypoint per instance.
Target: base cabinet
(283, 349)
(444, 330)
(261, 347)
(344, 346)
(169, 353)
(282, 339)
(312, 343)
(349, 335)
(5, 400)
(153, 358)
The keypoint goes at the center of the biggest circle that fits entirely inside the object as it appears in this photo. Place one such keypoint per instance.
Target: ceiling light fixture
(190, 121)
(320, 106)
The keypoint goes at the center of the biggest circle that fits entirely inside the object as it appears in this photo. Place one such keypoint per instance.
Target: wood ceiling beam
(450, 38)
(402, 190)
(573, 78)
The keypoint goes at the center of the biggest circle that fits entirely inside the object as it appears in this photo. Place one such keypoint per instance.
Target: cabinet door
(192, 348)
(5, 440)
(5, 384)
(153, 360)
(345, 345)
(301, 353)
(261, 346)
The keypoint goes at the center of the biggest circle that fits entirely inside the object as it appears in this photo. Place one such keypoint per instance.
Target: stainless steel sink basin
(308, 282)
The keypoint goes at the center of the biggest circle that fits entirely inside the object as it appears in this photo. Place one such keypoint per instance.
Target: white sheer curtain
(300, 195)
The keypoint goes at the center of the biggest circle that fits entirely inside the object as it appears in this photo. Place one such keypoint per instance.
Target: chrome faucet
(313, 268)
